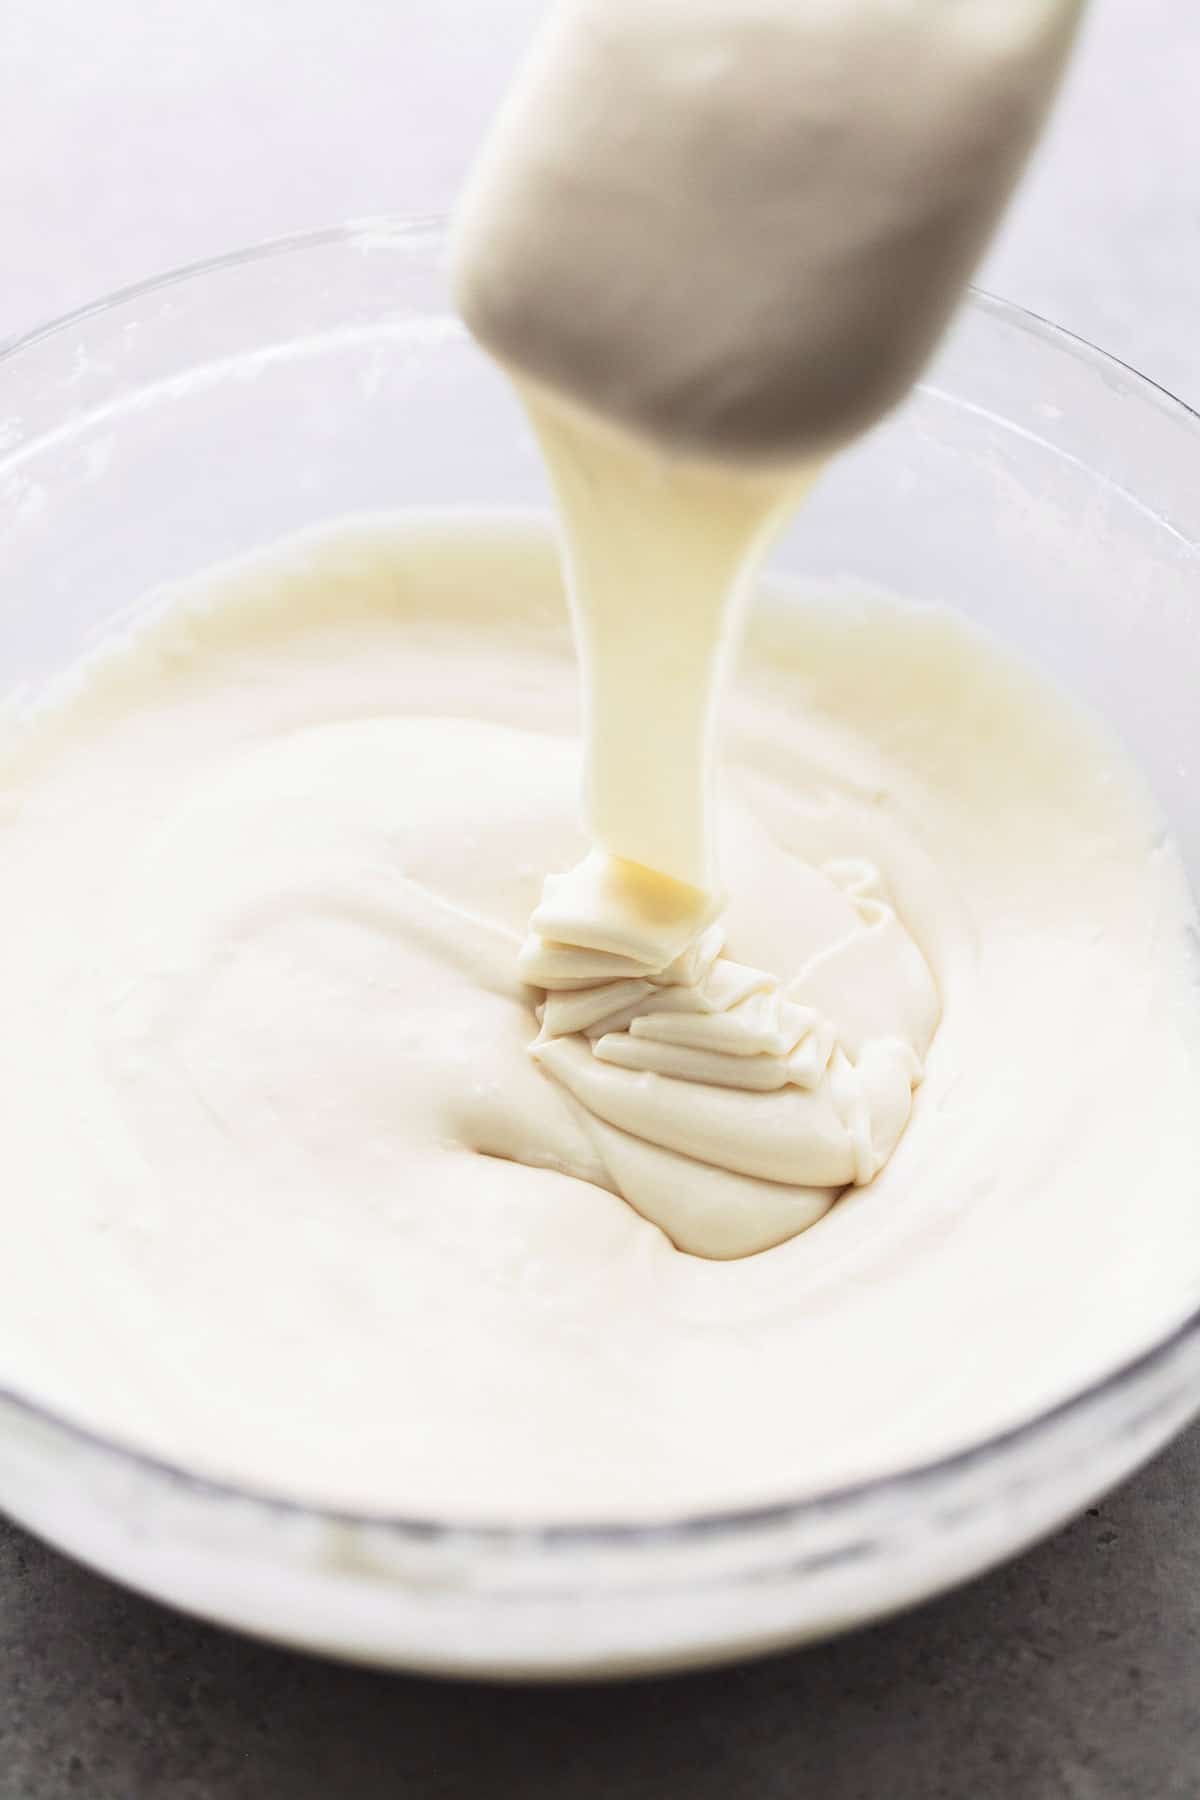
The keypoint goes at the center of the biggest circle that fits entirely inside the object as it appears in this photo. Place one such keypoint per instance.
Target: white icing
(288, 1201)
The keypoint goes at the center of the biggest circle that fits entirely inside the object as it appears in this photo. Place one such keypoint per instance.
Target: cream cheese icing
(289, 1201)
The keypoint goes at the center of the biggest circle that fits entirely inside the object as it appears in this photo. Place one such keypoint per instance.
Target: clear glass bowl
(1039, 486)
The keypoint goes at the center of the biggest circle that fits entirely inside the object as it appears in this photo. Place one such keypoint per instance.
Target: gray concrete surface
(138, 136)
(1073, 1674)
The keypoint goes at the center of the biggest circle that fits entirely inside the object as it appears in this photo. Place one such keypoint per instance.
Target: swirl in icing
(795, 1089)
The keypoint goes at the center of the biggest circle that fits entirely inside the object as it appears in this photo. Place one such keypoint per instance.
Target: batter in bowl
(289, 1202)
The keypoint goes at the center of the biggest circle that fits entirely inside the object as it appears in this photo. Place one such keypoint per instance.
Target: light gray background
(138, 134)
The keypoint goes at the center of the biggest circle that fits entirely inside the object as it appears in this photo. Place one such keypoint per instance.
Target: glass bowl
(1040, 487)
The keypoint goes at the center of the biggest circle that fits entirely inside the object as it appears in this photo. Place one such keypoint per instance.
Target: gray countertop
(147, 136)
(1072, 1674)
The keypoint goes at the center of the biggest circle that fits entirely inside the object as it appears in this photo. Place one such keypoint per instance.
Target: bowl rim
(417, 232)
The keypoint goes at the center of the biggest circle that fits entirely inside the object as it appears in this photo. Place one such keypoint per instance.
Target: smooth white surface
(266, 877)
(140, 137)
